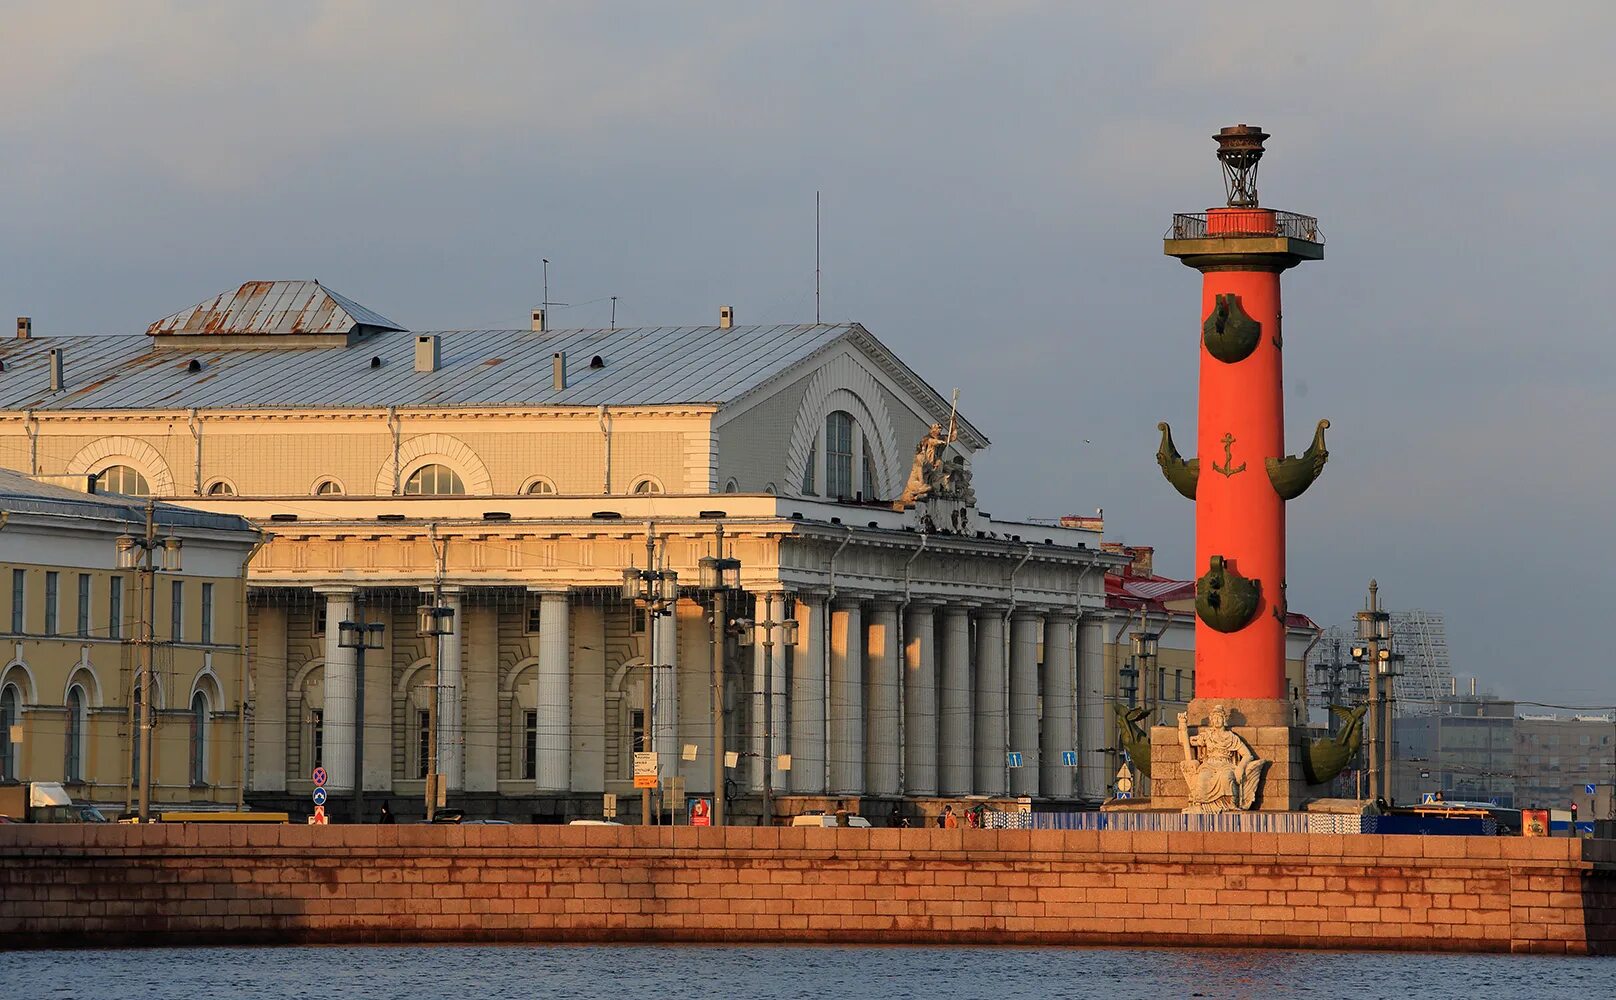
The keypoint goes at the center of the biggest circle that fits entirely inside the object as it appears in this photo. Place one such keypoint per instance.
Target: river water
(679, 972)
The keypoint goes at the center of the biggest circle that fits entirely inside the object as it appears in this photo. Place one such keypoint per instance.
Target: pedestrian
(841, 812)
(950, 821)
(896, 819)
(387, 814)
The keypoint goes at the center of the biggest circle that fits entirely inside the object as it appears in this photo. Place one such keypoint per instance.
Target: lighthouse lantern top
(1239, 149)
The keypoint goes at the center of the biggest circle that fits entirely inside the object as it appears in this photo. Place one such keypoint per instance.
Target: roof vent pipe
(558, 370)
(726, 317)
(426, 353)
(538, 321)
(56, 369)
(25, 328)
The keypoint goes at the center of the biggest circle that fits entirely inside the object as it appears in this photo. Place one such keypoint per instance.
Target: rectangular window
(636, 725)
(530, 745)
(534, 620)
(176, 623)
(839, 455)
(84, 605)
(636, 620)
(318, 627)
(207, 612)
(52, 579)
(1178, 685)
(115, 607)
(423, 742)
(19, 581)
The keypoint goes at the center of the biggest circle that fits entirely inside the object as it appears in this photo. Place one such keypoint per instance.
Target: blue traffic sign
(1590, 789)
(319, 796)
(1427, 797)
(1069, 758)
(1014, 757)
(319, 777)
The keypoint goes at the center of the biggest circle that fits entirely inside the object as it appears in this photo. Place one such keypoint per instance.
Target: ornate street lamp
(359, 636)
(432, 623)
(139, 553)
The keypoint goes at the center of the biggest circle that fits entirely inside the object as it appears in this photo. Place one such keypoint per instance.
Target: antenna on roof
(614, 312)
(546, 303)
(816, 258)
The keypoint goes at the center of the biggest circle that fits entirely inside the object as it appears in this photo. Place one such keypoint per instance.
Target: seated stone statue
(1221, 773)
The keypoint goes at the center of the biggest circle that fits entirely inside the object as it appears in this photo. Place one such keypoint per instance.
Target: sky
(996, 178)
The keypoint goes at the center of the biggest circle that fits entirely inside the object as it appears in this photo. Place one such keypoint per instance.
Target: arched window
(328, 488)
(732, 487)
(539, 486)
(73, 770)
(221, 488)
(645, 486)
(199, 737)
(839, 454)
(123, 479)
(870, 484)
(9, 703)
(434, 481)
(808, 473)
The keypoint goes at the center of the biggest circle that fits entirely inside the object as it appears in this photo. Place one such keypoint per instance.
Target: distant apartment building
(1557, 758)
(1464, 751)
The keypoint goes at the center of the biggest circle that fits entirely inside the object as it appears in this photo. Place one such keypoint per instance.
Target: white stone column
(846, 712)
(553, 768)
(665, 694)
(341, 675)
(1092, 737)
(451, 692)
(991, 739)
(954, 722)
(808, 697)
(270, 731)
(920, 700)
(881, 765)
(1025, 630)
(1055, 733)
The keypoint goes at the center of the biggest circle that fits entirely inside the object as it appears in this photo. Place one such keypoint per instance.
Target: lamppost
(1145, 646)
(139, 553)
(658, 591)
(788, 636)
(1374, 637)
(359, 636)
(718, 576)
(433, 622)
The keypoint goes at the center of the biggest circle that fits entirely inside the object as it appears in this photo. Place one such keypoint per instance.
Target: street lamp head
(373, 635)
(1358, 653)
(1383, 625)
(743, 632)
(632, 579)
(350, 635)
(708, 575)
(128, 552)
(432, 620)
(1145, 644)
(670, 586)
(171, 553)
(788, 632)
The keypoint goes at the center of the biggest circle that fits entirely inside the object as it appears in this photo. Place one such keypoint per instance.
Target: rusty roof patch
(260, 308)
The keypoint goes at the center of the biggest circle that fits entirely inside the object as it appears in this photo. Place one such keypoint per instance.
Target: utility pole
(1374, 636)
(719, 575)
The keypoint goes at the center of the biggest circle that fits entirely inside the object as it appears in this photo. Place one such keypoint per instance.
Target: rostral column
(1241, 477)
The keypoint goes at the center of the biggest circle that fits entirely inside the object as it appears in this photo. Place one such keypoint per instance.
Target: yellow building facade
(69, 655)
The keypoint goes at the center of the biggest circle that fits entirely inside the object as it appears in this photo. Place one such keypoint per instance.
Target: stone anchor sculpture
(1221, 773)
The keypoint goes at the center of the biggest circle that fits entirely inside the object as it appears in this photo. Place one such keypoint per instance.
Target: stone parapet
(76, 886)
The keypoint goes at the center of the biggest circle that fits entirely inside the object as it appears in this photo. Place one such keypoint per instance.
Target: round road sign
(319, 776)
(319, 796)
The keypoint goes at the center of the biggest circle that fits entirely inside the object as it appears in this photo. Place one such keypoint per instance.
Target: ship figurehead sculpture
(1239, 478)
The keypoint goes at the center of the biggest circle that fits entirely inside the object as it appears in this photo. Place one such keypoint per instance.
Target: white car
(829, 819)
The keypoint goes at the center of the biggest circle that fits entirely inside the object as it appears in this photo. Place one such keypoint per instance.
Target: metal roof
(22, 495)
(272, 307)
(638, 367)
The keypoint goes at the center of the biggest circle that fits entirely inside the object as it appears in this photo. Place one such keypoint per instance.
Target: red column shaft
(1237, 513)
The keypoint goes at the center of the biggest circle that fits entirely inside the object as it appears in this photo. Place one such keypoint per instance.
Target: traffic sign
(319, 777)
(1014, 758)
(1590, 789)
(1427, 798)
(1069, 758)
(645, 781)
(673, 791)
(319, 818)
(1124, 781)
(319, 796)
(608, 805)
(645, 762)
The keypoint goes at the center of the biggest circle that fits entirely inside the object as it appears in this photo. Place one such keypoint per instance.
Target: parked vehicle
(44, 802)
(828, 819)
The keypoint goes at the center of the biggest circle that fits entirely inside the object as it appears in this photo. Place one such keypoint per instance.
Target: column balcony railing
(1236, 223)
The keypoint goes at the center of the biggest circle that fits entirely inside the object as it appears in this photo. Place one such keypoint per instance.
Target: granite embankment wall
(74, 886)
